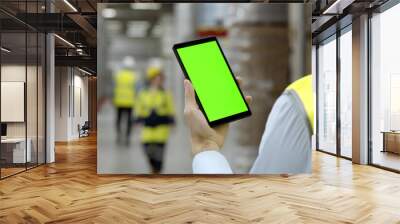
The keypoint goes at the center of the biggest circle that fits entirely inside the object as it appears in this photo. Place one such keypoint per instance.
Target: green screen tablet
(217, 91)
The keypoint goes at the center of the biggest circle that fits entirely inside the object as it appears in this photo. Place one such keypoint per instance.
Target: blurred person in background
(155, 109)
(285, 146)
(124, 99)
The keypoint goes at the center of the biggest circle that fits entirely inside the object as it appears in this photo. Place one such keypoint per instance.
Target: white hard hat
(129, 61)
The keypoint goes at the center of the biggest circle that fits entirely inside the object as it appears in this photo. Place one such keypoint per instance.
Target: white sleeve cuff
(210, 162)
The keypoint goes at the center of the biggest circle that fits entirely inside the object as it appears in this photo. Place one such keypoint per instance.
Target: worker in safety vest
(155, 109)
(285, 146)
(124, 101)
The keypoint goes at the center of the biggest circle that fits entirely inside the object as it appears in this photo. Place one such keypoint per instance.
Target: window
(346, 93)
(327, 95)
(334, 65)
(385, 89)
(22, 77)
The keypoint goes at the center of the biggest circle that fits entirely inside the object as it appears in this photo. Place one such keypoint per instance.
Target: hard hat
(153, 72)
(128, 62)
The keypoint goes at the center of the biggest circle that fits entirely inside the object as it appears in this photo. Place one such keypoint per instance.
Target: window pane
(327, 96)
(15, 150)
(345, 94)
(22, 87)
(386, 89)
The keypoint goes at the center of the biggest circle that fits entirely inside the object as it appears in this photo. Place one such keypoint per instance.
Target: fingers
(248, 99)
(190, 99)
(239, 80)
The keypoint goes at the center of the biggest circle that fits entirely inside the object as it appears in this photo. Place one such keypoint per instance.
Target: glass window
(22, 91)
(15, 150)
(346, 93)
(385, 87)
(327, 96)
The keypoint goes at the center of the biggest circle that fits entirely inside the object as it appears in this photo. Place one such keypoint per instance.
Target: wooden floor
(387, 159)
(5, 172)
(69, 191)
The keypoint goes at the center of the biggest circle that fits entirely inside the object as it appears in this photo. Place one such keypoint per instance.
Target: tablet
(217, 91)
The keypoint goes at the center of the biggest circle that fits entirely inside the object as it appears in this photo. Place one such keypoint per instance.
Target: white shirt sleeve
(286, 143)
(210, 162)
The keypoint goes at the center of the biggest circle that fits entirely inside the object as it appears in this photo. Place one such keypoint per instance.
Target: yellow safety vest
(124, 91)
(303, 88)
(161, 102)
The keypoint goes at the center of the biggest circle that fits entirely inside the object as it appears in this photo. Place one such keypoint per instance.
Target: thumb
(190, 99)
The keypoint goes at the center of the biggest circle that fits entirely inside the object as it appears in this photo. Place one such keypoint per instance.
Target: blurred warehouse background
(269, 45)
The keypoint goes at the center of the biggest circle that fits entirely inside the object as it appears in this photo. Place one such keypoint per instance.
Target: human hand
(203, 137)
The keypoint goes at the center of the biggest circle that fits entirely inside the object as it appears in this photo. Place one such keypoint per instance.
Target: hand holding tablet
(207, 67)
(203, 136)
(217, 91)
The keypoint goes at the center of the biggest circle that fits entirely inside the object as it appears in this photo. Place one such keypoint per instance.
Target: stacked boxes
(258, 50)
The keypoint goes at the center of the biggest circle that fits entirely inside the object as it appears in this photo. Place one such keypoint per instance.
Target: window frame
(27, 29)
(371, 13)
(342, 26)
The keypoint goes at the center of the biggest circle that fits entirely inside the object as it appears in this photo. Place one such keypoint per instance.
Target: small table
(391, 141)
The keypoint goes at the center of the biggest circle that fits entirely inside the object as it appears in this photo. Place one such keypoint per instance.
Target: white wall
(79, 117)
(12, 73)
(33, 125)
(70, 83)
(62, 81)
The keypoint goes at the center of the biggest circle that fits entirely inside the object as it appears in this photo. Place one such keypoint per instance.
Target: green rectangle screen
(212, 80)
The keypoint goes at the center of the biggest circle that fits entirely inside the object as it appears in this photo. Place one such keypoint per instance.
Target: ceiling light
(70, 5)
(79, 51)
(137, 28)
(114, 26)
(5, 50)
(65, 41)
(84, 71)
(157, 31)
(146, 6)
(109, 13)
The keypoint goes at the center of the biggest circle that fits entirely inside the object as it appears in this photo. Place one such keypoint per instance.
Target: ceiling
(75, 22)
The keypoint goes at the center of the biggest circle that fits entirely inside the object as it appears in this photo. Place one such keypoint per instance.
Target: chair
(84, 130)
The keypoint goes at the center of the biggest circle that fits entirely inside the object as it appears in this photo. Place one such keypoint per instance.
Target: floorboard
(70, 191)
